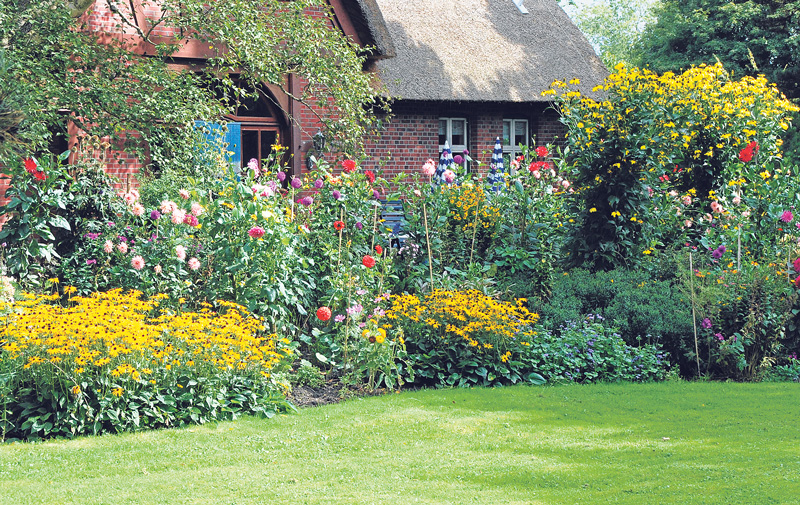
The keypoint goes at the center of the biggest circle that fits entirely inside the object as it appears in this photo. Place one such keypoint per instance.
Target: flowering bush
(463, 338)
(116, 362)
(49, 205)
(692, 133)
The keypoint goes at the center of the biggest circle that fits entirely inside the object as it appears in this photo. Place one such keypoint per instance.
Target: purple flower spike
(318, 184)
(359, 225)
(458, 159)
(296, 183)
(281, 176)
(336, 194)
(155, 215)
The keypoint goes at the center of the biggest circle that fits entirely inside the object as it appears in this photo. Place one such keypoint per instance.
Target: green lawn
(676, 442)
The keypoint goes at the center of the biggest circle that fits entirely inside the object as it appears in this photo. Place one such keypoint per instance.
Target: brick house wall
(410, 135)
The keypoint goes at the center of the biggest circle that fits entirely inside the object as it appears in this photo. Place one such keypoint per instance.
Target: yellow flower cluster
(702, 112)
(113, 333)
(476, 319)
(468, 202)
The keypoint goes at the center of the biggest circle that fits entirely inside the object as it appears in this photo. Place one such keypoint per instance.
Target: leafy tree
(64, 71)
(614, 27)
(749, 37)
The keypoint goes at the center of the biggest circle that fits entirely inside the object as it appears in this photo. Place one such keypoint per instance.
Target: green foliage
(31, 412)
(614, 27)
(646, 157)
(590, 351)
(749, 38)
(742, 319)
(148, 108)
(644, 308)
(49, 213)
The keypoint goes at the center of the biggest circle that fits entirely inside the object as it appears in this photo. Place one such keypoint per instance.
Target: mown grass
(676, 442)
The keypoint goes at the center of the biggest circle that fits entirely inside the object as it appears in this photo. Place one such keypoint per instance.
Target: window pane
(249, 146)
(442, 131)
(458, 137)
(520, 132)
(267, 139)
(506, 133)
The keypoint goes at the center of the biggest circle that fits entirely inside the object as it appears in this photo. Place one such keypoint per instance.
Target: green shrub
(644, 308)
(592, 351)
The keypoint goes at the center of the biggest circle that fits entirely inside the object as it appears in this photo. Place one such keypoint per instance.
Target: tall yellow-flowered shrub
(644, 135)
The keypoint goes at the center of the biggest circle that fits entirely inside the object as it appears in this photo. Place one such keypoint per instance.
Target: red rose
(368, 261)
(542, 151)
(370, 175)
(338, 225)
(379, 249)
(323, 313)
(348, 166)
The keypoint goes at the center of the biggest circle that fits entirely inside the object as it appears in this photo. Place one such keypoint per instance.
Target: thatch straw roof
(367, 19)
(483, 50)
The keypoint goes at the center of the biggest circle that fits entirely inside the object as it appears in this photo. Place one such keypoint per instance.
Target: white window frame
(454, 148)
(513, 150)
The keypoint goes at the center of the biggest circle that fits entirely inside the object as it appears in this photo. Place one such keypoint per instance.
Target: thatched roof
(483, 50)
(367, 19)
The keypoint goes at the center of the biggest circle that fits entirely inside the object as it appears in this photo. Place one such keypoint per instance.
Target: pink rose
(184, 194)
(197, 209)
(449, 176)
(180, 252)
(194, 263)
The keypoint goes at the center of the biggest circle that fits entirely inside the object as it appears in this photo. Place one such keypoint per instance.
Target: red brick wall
(411, 135)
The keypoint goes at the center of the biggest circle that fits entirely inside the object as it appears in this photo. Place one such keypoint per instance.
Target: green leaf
(60, 222)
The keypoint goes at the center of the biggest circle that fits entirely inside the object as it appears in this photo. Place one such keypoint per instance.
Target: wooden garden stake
(339, 260)
(694, 314)
(428, 242)
(474, 232)
(374, 228)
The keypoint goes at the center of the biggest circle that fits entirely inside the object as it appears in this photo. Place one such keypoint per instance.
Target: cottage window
(515, 135)
(253, 128)
(454, 131)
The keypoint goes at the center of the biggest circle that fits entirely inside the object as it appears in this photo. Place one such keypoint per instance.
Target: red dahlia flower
(368, 261)
(338, 225)
(323, 313)
(348, 166)
(379, 249)
(31, 166)
(370, 175)
(542, 151)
